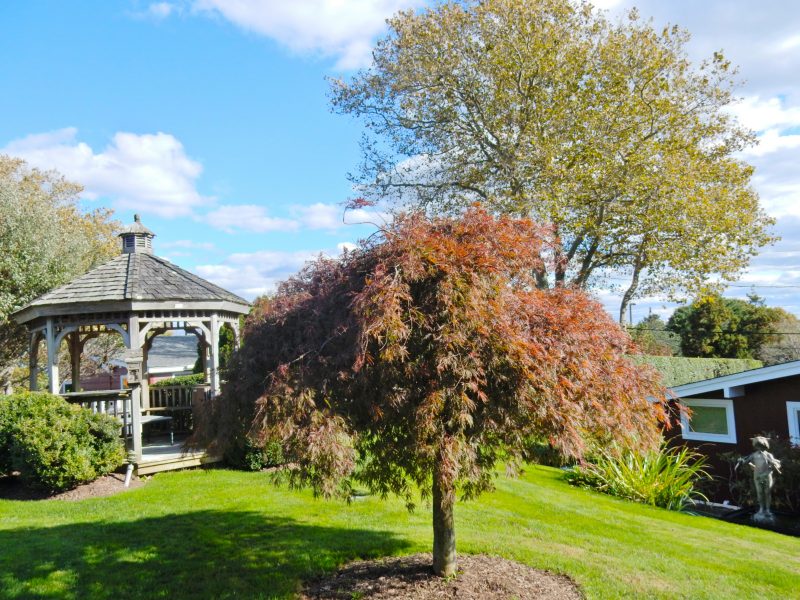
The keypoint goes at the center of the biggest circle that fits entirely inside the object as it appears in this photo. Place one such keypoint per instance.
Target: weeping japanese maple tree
(416, 363)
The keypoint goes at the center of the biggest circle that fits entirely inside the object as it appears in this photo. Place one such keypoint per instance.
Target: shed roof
(172, 352)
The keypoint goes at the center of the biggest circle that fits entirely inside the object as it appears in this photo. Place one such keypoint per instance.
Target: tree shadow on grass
(204, 554)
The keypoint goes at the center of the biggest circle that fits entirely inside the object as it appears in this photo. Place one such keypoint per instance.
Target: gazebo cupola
(137, 238)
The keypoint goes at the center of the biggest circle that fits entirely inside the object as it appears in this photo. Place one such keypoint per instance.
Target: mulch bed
(12, 488)
(480, 577)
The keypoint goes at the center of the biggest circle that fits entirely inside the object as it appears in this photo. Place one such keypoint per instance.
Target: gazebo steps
(185, 461)
(167, 457)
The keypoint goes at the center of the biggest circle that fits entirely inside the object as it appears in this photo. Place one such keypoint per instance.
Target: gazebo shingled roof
(135, 277)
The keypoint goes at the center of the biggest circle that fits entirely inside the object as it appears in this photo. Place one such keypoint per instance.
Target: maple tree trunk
(444, 532)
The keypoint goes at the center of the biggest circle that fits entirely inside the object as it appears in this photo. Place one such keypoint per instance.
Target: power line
(727, 331)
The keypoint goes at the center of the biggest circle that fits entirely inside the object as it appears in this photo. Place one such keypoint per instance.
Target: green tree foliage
(652, 337)
(606, 131)
(45, 239)
(784, 346)
(227, 342)
(423, 358)
(717, 327)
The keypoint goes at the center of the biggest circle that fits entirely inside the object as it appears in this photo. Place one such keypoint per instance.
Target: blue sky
(211, 119)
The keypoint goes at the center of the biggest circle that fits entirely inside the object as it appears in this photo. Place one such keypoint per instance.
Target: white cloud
(247, 217)
(150, 172)
(773, 141)
(160, 10)
(787, 44)
(319, 216)
(188, 244)
(334, 216)
(605, 4)
(253, 274)
(341, 28)
(763, 114)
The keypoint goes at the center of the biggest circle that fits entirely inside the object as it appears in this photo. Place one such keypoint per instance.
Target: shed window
(710, 420)
(793, 412)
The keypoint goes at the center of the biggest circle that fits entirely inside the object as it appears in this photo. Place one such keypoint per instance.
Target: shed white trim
(793, 414)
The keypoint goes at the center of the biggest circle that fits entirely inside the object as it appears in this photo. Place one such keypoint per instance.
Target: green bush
(181, 380)
(257, 457)
(666, 477)
(55, 445)
(541, 452)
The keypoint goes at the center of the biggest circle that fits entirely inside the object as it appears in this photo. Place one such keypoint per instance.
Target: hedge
(678, 370)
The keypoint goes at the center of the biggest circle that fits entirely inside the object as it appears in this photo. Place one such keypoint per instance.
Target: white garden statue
(763, 464)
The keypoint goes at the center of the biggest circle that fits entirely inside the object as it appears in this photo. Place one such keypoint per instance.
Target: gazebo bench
(147, 419)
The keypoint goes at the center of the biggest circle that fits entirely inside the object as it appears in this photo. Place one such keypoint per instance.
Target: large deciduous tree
(544, 108)
(423, 358)
(45, 238)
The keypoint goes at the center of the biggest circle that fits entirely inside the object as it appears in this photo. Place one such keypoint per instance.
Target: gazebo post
(236, 334)
(214, 342)
(75, 348)
(136, 373)
(33, 361)
(146, 374)
(52, 357)
(204, 344)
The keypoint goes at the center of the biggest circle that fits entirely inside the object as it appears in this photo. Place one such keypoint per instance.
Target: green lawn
(227, 534)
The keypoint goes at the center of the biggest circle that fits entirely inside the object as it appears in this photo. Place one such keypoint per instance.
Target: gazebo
(138, 296)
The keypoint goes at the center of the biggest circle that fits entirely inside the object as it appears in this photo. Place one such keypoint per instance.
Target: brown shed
(727, 411)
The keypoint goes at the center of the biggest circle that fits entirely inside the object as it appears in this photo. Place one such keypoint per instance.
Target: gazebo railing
(174, 397)
(173, 401)
(116, 403)
(108, 402)
(176, 401)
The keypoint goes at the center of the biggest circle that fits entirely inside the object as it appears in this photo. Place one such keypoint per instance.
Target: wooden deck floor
(160, 455)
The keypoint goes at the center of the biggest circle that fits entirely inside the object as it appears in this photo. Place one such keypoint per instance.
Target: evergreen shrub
(181, 381)
(55, 445)
(678, 370)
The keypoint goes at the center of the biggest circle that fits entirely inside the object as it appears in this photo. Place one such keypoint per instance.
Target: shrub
(786, 487)
(181, 380)
(677, 370)
(257, 457)
(55, 445)
(540, 451)
(665, 477)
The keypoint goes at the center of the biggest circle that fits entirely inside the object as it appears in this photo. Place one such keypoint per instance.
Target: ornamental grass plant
(666, 477)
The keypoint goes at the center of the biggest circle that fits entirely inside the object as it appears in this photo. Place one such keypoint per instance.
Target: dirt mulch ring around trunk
(12, 488)
(480, 577)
